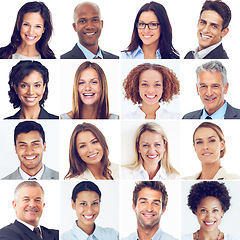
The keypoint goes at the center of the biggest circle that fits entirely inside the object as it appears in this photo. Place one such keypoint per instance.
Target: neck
(150, 110)
(89, 111)
(30, 112)
(208, 235)
(210, 170)
(93, 48)
(151, 169)
(27, 51)
(96, 170)
(32, 172)
(150, 50)
(88, 229)
(146, 233)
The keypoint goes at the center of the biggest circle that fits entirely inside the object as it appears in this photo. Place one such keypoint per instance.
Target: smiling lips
(208, 223)
(90, 217)
(205, 37)
(93, 155)
(150, 96)
(152, 156)
(30, 99)
(148, 215)
(90, 33)
(30, 37)
(29, 158)
(88, 95)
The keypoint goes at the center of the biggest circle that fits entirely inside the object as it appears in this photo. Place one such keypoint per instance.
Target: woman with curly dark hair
(152, 35)
(88, 155)
(31, 34)
(208, 200)
(148, 85)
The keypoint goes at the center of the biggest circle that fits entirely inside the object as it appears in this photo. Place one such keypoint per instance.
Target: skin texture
(87, 208)
(209, 29)
(88, 25)
(29, 149)
(29, 205)
(211, 90)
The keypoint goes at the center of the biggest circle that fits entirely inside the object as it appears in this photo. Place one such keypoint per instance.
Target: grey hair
(26, 184)
(213, 66)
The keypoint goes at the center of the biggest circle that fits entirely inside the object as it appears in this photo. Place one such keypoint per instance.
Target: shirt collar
(219, 114)
(156, 236)
(138, 53)
(88, 54)
(25, 176)
(28, 225)
(203, 53)
(82, 235)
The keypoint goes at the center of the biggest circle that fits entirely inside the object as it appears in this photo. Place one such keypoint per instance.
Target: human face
(87, 208)
(150, 87)
(209, 213)
(151, 147)
(29, 148)
(32, 28)
(149, 37)
(209, 29)
(208, 145)
(87, 24)
(89, 87)
(211, 90)
(31, 89)
(29, 205)
(149, 208)
(89, 148)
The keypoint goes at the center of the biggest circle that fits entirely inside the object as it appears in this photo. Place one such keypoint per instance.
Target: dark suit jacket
(217, 53)
(76, 53)
(231, 113)
(18, 231)
(42, 115)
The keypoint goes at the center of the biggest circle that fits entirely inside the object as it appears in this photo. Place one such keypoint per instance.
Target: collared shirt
(201, 54)
(141, 174)
(99, 233)
(88, 54)
(219, 114)
(138, 54)
(29, 226)
(161, 113)
(159, 235)
(25, 176)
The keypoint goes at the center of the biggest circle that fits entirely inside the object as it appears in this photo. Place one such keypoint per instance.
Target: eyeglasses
(152, 26)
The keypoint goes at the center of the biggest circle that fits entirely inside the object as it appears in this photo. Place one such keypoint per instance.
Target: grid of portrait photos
(135, 117)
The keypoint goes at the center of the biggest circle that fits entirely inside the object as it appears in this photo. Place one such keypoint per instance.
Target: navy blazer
(18, 231)
(76, 53)
(217, 53)
(42, 115)
(231, 113)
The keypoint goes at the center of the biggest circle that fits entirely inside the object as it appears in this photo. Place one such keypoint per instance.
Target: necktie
(37, 231)
(208, 117)
(32, 178)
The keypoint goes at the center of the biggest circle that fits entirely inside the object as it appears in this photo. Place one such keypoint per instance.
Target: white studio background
(68, 69)
(190, 100)
(110, 129)
(51, 214)
(9, 159)
(129, 129)
(170, 220)
(229, 223)
(126, 66)
(190, 164)
(109, 207)
(51, 104)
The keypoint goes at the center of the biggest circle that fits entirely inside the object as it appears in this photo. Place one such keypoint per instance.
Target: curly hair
(171, 84)
(201, 190)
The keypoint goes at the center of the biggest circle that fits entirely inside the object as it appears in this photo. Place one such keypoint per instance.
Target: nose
(88, 209)
(31, 30)
(87, 86)
(209, 91)
(205, 145)
(206, 28)
(149, 207)
(30, 90)
(89, 25)
(29, 150)
(31, 203)
(151, 149)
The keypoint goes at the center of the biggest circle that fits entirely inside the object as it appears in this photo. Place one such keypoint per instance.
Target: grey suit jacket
(48, 173)
(231, 113)
(76, 53)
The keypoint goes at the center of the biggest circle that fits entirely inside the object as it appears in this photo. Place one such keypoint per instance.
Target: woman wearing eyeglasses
(152, 35)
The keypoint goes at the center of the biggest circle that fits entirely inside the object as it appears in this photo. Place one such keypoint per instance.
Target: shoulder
(232, 113)
(107, 55)
(68, 115)
(113, 116)
(115, 170)
(187, 237)
(223, 174)
(15, 116)
(10, 232)
(50, 174)
(193, 115)
(107, 233)
(132, 236)
(45, 115)
(167, 236)
(189, 55)
(14, 175)
(53, 232)
(126, 55)
(165, 114)
(193, 177)
(75, 53)
(217, 53)
(127, 173)
(69, 235)
(172, 176)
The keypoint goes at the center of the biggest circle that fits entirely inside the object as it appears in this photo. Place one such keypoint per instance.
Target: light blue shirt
(88, 54)
(99, 233)
(219, 114)
(138, 54)
(159, 235)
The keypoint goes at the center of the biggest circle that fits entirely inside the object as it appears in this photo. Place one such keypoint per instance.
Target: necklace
(218, 236)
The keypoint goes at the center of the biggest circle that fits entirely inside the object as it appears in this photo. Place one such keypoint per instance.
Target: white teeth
(31, 38)
(89, 34)
(209, 223)
(147, 36)
(207, 37)
(30, 158)
(206, 154)
(31, 99)
(88, 94)
(149, 96)
(88, 217)
(152, 156)
(94, 155)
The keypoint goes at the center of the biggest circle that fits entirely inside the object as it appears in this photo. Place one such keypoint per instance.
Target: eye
(153, 24)
(81, 83)
(203, 210)
(25, 24)
(145, 145)
(212, 140)
(95, 82)
(144, 85)
(95, 203)
(82, 21)
(82, 146)
(158, 84)
(199, 142)
(158, 145)
(141, 24)
(39, 26)
(23, 85)
(96, 20)
(95, 142)
(156, 203)
(38, 85)
(83, 204)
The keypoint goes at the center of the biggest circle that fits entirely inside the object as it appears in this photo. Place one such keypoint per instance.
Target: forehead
(30, 191)
(210, 202)
(205, 132)
(212, 17)
(34, 76)
(34, 17)
(150, 194)
(85, 10)
(87, 196)
(85, 136)
(89, 73)
(210, 77)
(151, 75)
(29, 137)
(148, 136)
(148, 16)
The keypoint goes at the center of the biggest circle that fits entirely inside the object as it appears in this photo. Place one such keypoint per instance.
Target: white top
(203, 53)
(66, 116)
(19, 56)
(142, 174)
(87, 175)
(161, 113)
(226, 237)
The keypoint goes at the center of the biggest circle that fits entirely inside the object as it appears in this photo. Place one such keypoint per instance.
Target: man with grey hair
(28, 204)
(88, 25)
(211, 85)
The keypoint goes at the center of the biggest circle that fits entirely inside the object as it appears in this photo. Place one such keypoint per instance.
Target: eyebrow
(211, 23)
(81, 79)
(35, 141)
(154, 200)
(208, 138)
(90, 141)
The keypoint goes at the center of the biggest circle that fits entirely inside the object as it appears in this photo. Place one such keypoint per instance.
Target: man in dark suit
(213, 24)
(88, 25)
(29, 141)
(212, 85)
(28, 204)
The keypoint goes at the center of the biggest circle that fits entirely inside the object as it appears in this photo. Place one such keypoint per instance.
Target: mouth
(30, 37)
(93, 155)
(207, 154)
(30, 99)
(148, 215)
(90, 33)
(88, 95)
(152, 156)
(150, 96)
(210, 99)
(30, 158)
(89, 217)
(209, 224)
(205, 37)
(33, 210)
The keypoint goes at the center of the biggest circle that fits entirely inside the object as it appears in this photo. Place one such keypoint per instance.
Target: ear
(44, 146)
(133, 207)
(197, 88)
(15, 88)
(73, 205)
(226, 88)
(43, 205)
(102, 23)
(222, 145)
(14, 204)
(224, 32)
(74, 26)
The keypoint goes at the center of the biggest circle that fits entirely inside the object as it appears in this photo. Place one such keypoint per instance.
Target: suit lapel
(77, 53)
(26, 231)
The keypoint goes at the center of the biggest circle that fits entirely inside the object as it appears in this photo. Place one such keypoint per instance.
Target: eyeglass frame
(147, 24)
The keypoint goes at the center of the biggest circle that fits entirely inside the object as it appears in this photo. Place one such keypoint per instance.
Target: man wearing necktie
(212, 85)
(28, 204)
